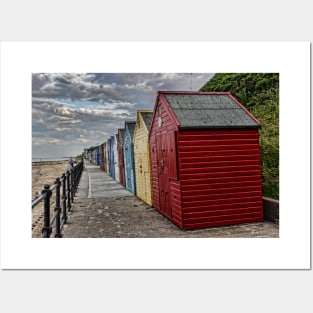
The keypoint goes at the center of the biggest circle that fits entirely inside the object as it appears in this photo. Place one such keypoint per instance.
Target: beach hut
(95, 155)
(88, 154)
(142, 156)
(205, 158)
(103, 156)
(111, 168)
(107, 156)
(120, 152)
(129, 157)
(116, 161)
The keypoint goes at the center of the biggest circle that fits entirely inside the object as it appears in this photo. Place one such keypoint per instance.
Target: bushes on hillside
(259, 93)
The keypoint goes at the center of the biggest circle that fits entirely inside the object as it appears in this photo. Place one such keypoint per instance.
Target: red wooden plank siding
(168, 126)
(176, 202)
(220, 177)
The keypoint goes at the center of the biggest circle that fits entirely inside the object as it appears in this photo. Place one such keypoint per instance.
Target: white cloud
(81, 109)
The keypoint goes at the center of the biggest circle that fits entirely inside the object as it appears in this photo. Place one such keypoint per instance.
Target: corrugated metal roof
(209, 111)
(147, 117)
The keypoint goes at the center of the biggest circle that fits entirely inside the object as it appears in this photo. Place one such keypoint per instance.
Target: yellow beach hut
(142, 155)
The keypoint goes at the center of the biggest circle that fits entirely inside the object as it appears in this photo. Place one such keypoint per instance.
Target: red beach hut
(205, 159)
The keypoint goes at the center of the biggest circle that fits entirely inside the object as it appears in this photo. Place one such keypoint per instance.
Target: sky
(73, 111)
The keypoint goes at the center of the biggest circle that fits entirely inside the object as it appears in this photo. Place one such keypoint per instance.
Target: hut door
(164, 190)
(141, 178)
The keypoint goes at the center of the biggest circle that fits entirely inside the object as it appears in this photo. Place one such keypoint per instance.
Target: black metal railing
(65, 189)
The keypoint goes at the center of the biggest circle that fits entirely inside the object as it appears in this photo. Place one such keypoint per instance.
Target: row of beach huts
(195, 158)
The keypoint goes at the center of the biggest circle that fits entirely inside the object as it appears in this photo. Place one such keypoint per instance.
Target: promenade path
(103, 208)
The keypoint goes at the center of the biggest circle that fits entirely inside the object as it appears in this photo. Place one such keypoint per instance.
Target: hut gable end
(142, 156)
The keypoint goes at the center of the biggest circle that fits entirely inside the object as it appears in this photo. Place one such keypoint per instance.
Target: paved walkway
(95, 183)
(104, 208)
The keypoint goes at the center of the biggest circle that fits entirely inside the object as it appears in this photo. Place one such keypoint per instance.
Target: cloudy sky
(72, 111)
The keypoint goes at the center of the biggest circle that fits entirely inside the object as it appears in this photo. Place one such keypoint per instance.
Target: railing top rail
(37, 200)
(42, 196)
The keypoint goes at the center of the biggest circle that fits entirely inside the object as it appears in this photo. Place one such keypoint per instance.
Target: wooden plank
(221, 223)
(239, 167)
(221, 202)
(217, 163)
(201, 143)
(189, 153)
(223, 191)
(221, 217)
(225, 147)
(203, 188)
(217, 180)
(213, 207)
(224, 212)
(234, 174)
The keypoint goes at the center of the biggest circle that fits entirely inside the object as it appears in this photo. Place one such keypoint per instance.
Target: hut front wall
(95, 156)
(129, 163)
(142, 163)
(220, 177)
(105, 153)
(116, 161)
(121, 159)
(165, 185)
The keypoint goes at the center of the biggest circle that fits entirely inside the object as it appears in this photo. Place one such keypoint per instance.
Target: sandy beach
(44, 173)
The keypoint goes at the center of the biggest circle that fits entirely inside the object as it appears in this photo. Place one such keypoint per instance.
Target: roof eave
(221, 127)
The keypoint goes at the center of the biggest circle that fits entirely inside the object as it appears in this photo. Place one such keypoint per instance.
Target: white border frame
(290, 251)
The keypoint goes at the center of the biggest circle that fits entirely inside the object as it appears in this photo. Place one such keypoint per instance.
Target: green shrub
(259, 93)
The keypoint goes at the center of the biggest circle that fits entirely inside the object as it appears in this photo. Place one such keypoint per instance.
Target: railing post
(57, 209)
(68, 190)
(72, 185)
(77, 176)
(46, 230)
(64, 216)
(74, 180)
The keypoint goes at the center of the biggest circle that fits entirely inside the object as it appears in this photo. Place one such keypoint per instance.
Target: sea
(47, 159)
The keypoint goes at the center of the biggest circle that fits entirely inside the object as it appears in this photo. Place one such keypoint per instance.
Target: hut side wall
(121, 159)
(111, 156)
(220, 177)
(101, 156)
(107, 155)
(142, 162)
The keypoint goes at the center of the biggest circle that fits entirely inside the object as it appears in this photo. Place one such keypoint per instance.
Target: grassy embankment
(259, 93)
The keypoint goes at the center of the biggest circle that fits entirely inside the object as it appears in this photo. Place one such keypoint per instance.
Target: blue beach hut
(95, 155)
(111, 156)
(129, 159)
